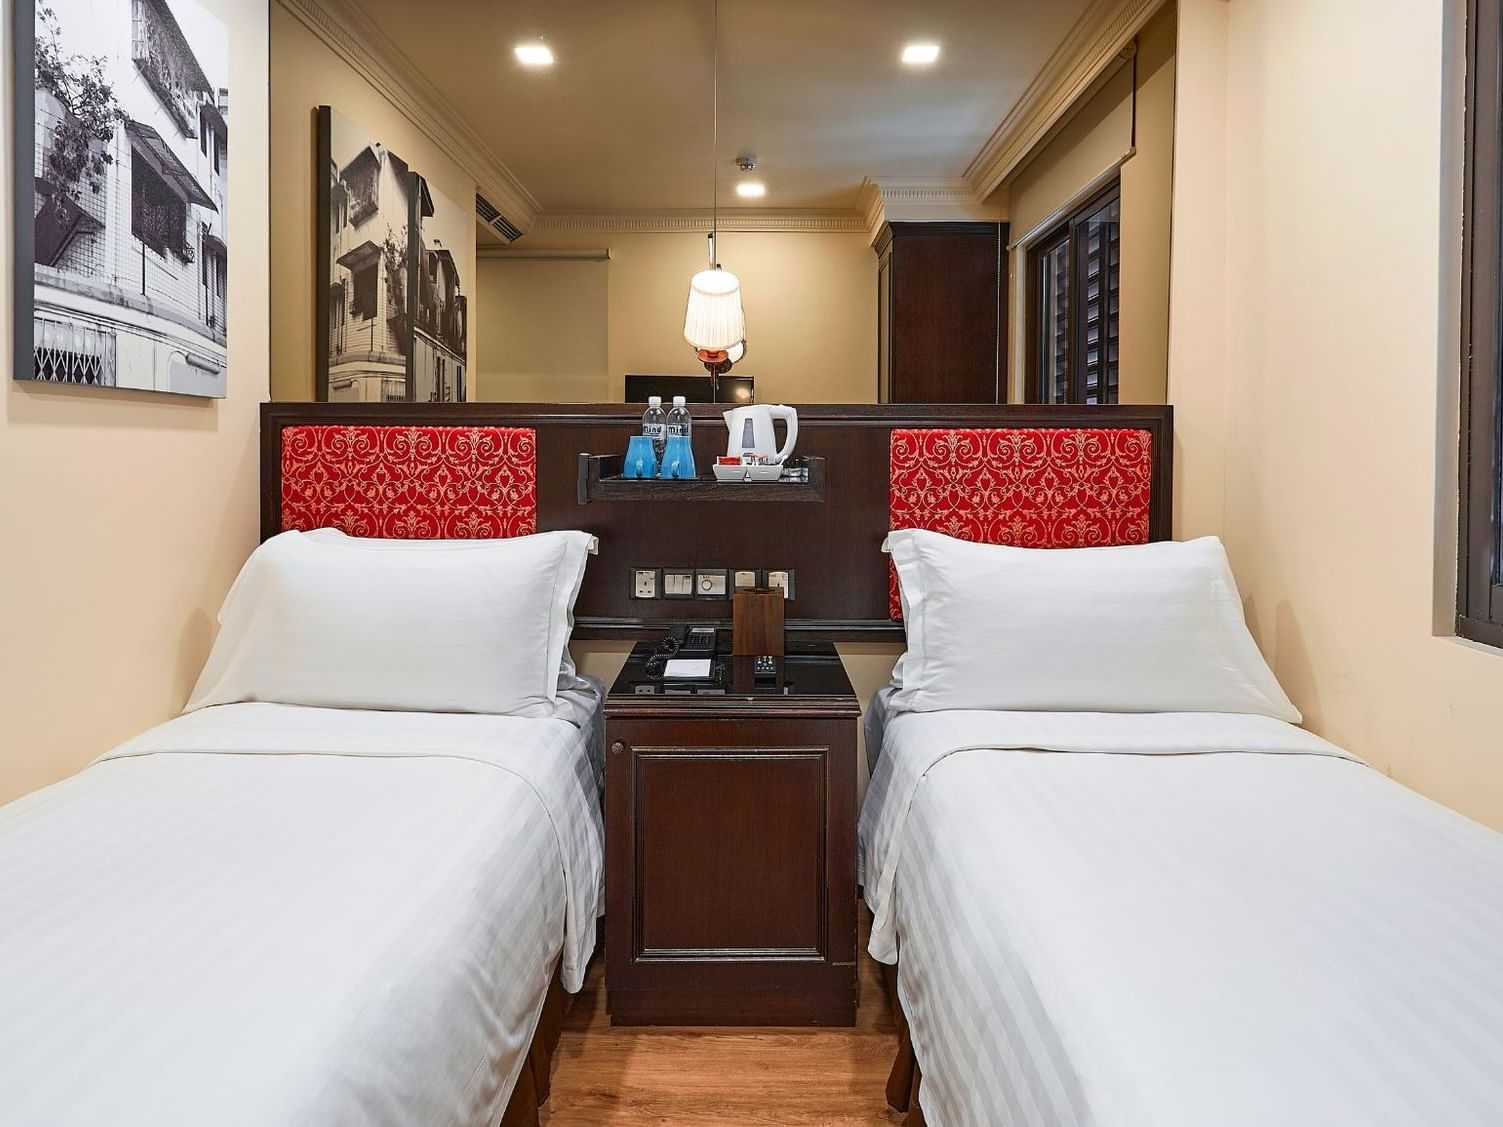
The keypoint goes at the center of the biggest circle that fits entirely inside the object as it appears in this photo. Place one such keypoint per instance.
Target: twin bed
(1122, 887)
(1114, 882)
(356, 880)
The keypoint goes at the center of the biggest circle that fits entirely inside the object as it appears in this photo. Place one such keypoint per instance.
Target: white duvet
(1180, 920)
(268, 915)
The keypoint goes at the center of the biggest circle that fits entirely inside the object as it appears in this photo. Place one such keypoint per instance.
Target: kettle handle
(790, 418)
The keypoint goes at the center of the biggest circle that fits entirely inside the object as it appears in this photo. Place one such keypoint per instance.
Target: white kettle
(751, 432)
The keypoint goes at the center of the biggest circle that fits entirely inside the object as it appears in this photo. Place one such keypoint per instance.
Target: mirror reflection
(746, 201)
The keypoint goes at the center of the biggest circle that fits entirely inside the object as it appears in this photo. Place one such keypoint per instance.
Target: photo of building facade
(369, 330)
(131, 163)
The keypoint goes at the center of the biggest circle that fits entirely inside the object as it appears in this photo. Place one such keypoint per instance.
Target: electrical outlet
(743, 580)
(781, 580)
(710, 584)
(644, 583)
(678, 583)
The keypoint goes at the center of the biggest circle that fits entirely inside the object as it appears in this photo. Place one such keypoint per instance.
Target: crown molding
(674, 221)
(1097, 38)
(936, 198)
(371, 53)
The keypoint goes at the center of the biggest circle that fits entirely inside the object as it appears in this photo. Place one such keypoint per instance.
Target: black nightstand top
(812, 679)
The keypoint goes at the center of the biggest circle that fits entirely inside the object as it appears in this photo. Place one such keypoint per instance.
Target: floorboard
(627, 1077)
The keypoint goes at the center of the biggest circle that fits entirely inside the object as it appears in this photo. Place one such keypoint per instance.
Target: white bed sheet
(273, 915)
(1181, 920)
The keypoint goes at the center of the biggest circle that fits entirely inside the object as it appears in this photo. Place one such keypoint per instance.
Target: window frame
(1065, 231)
(1479, 592)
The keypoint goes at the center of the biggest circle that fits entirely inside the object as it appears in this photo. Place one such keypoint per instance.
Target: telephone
(686, 653)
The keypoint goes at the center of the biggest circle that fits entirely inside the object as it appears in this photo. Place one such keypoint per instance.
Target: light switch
(743, 580)
(678, 583)
(709, 584)
(781, 581)
(644, 582)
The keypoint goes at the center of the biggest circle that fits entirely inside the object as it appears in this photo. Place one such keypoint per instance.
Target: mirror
(508, 203)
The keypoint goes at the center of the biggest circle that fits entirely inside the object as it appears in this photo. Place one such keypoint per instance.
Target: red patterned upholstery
(410, 482)
(1033, 488)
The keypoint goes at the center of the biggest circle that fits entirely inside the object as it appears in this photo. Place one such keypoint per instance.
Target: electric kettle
(751, 432)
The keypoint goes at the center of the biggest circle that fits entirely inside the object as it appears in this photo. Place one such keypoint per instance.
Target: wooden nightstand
(731, 848)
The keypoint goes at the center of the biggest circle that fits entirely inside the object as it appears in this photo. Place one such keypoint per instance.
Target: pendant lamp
(714, 323)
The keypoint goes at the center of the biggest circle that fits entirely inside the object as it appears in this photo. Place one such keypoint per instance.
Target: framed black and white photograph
(122, 163)
(439, 351)
(365, 304)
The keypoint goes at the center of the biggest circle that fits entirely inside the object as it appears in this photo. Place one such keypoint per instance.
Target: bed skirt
(905, 1079)
(531, 1091)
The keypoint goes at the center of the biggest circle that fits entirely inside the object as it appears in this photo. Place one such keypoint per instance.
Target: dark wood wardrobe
(942, 313)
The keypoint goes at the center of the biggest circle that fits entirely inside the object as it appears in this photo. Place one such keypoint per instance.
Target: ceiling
(622, 121)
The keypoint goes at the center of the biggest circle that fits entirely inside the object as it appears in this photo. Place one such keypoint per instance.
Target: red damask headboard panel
(1032, 487)
(410, 482)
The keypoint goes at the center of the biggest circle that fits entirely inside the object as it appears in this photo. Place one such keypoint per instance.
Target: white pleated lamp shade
(714, 320)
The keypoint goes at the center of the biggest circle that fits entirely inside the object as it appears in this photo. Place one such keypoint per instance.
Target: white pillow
(568, 676)
(420, 626)
(1146, 628)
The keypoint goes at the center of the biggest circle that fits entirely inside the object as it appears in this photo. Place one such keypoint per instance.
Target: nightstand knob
(617, 748)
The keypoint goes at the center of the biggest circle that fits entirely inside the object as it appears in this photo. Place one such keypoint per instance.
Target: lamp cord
(715, 141)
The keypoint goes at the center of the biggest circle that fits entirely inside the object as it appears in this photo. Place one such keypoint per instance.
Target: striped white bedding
(271, 915)
(1180, 921)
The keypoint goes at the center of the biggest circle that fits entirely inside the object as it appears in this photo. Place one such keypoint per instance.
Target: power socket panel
(781, 580)
(645, 583)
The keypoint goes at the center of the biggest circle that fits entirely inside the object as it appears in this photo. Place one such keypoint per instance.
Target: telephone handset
(686, 653)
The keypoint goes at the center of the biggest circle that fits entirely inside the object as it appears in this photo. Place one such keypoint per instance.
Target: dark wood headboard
(841, 582)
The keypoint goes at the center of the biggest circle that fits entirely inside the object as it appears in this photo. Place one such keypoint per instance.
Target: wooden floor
(707, 1077)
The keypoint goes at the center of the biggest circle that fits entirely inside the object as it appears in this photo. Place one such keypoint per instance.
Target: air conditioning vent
(494, 219)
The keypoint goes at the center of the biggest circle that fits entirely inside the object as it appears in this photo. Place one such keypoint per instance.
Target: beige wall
(307, 75)
(127, 514)
(541, 328)
(810, 300)
(1326, 420)
(1083, 152)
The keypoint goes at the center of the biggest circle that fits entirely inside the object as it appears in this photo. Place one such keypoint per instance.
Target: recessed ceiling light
(533, 54)
(920, 54)
(751, 189)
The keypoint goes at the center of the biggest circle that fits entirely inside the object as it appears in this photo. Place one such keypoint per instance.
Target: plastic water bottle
(679, 421)
(678, 457)
(655, 425)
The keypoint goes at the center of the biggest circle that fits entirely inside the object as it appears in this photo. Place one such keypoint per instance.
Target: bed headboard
(1031, 487)
(1034, 474)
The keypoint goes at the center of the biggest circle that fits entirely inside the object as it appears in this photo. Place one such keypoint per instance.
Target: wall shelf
(600, 480)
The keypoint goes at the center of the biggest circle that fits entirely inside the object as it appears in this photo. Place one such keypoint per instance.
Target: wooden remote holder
(757, 622)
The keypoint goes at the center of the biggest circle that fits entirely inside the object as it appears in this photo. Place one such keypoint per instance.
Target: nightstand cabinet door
(731, 871)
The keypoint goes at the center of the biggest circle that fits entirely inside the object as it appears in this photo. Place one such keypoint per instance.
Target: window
(158, 215)
(364, 303)
(1479, 588)
(362, 182)
(1074, 305)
